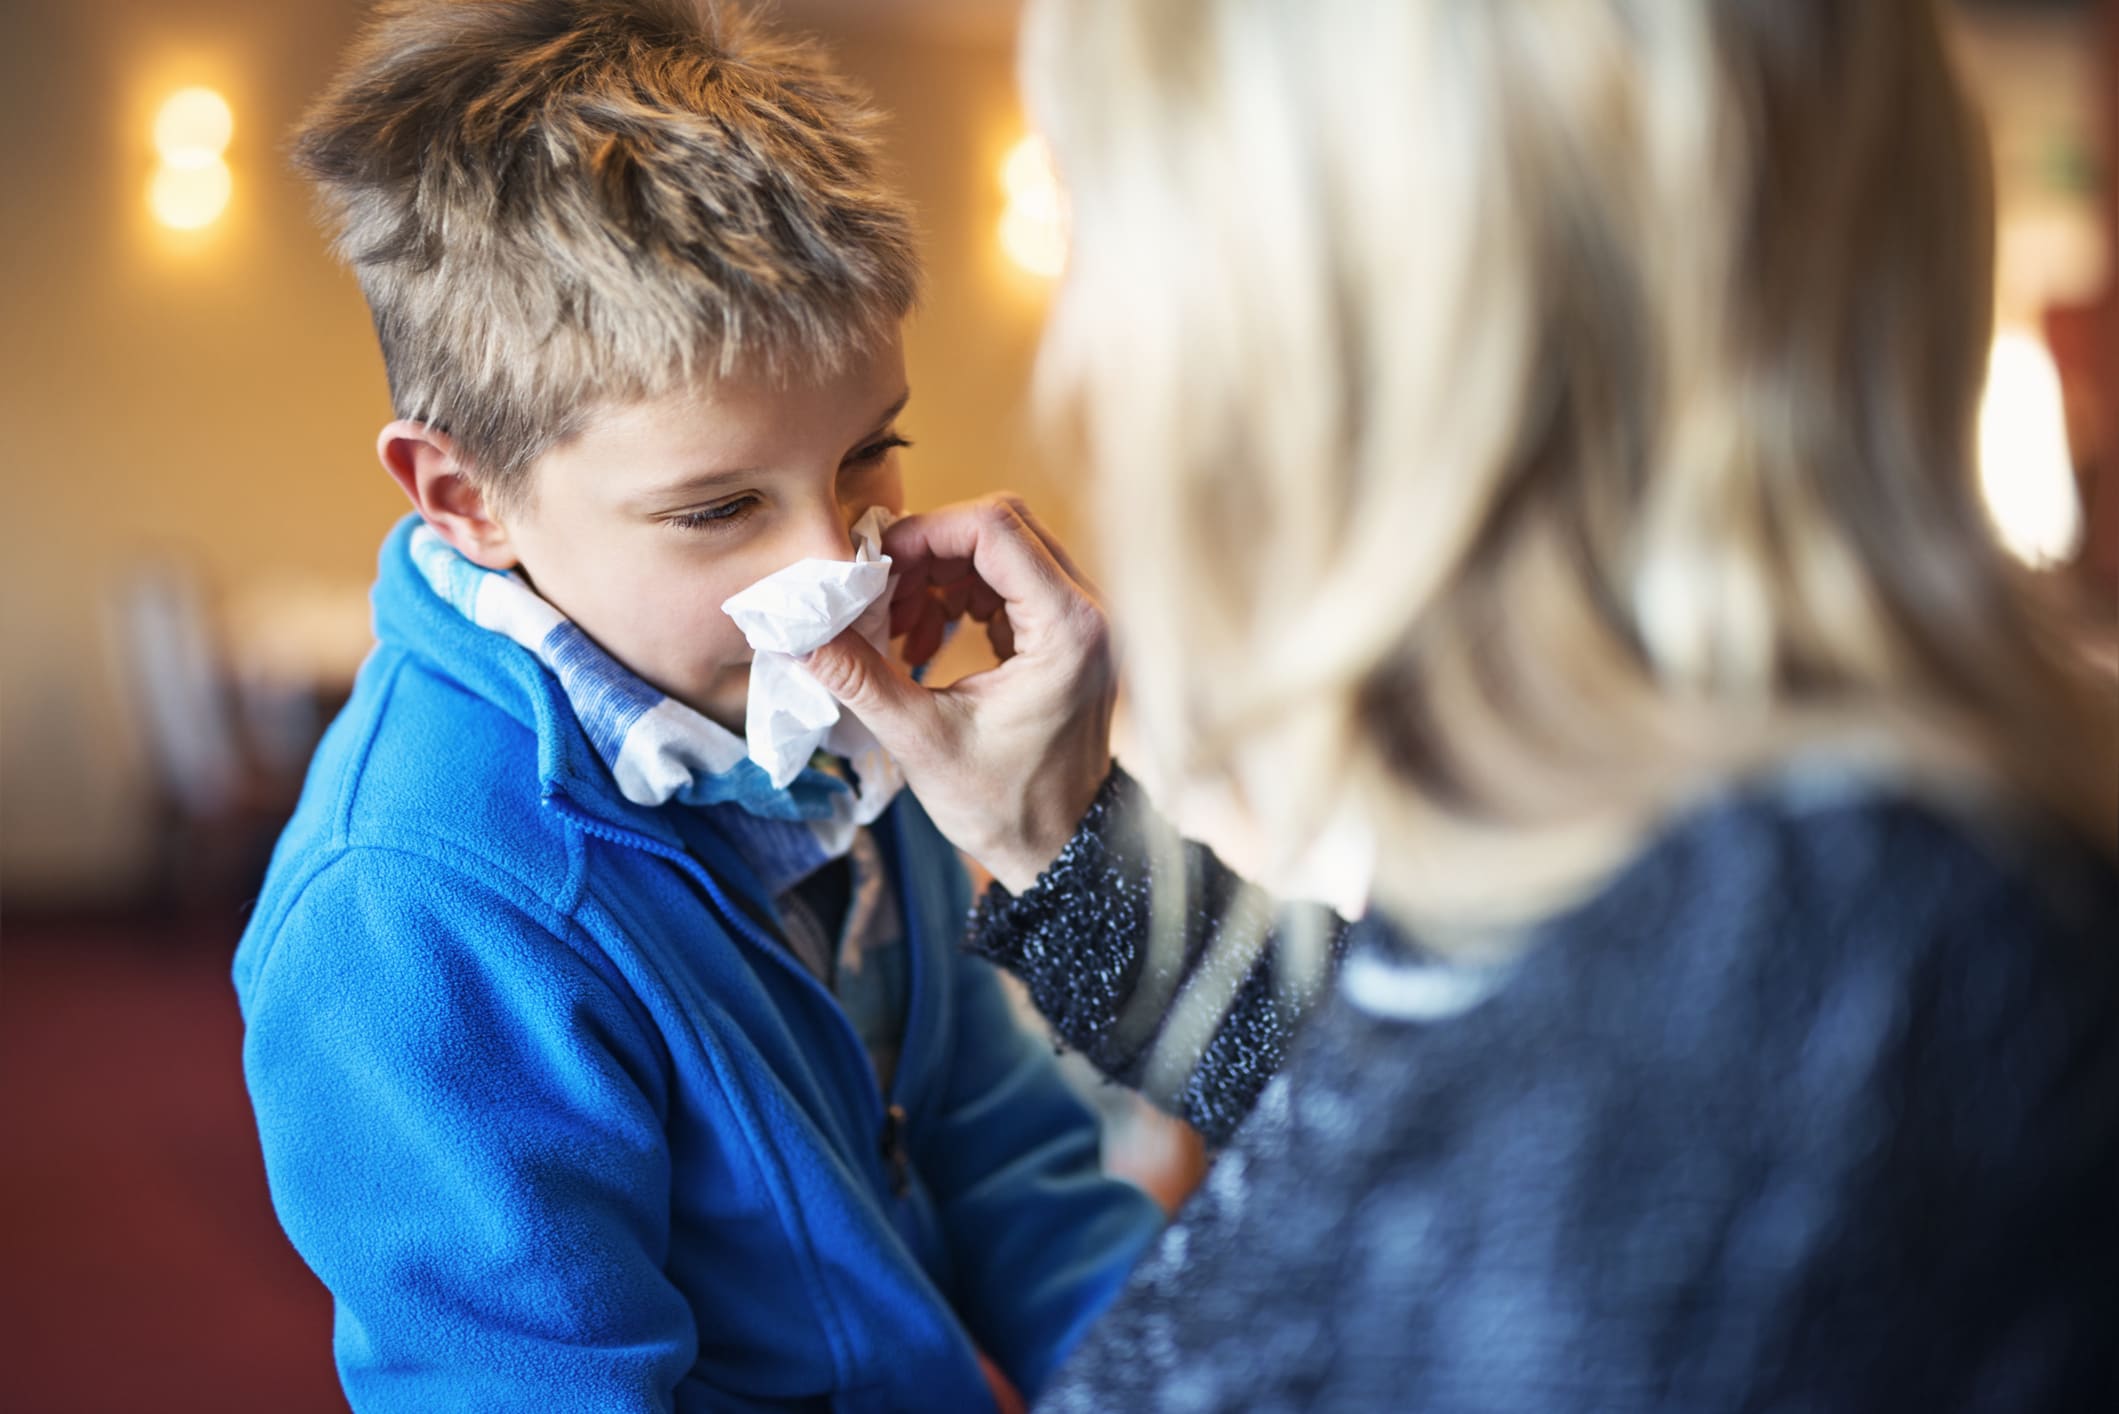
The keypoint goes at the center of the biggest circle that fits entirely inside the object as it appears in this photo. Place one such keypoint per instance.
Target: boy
(594, 1076)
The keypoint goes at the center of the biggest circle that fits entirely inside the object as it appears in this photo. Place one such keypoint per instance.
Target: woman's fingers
(1006, 760)
(995, 538)
(989, 560)
(982, 603)
(1054, 548)
(926, 536)
(924, 637)
(905, 717)
(922, 620)
(917, 578)
(906, 609)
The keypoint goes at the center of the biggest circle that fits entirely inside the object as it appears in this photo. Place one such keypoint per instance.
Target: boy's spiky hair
(552, 203)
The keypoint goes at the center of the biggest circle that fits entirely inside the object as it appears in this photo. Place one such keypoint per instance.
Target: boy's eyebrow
(694, 485)
(892, 411)
(708, 480)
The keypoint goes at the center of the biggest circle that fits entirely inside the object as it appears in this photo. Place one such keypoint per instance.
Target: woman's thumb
(888, 702)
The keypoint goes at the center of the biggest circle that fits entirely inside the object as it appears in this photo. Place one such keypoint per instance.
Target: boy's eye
(727, 513)
(877, 450)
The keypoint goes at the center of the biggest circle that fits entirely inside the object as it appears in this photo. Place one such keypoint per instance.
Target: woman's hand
(1006, 761)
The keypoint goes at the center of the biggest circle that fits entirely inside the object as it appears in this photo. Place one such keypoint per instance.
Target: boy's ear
(422, 461)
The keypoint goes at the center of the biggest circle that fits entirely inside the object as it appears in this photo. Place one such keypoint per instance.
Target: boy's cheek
(722, 646)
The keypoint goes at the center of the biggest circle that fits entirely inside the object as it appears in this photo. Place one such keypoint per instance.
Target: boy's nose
(830, 537)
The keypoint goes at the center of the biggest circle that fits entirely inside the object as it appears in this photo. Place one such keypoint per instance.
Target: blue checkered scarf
(658, 750)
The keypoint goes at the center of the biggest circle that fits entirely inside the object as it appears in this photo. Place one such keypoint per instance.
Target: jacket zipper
(896, 1156)
(887, 1119)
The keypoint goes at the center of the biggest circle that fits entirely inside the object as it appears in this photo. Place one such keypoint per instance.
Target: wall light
(2026, 474)
(193, 127)
(188, 198)
(191, 188)
(1034, 225)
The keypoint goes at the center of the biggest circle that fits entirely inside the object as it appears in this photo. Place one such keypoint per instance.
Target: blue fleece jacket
(563, 1126)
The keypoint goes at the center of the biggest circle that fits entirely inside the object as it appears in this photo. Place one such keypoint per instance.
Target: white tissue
(792, 613)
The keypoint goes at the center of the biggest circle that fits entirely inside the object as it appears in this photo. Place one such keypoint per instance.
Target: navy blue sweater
(1815, 1106)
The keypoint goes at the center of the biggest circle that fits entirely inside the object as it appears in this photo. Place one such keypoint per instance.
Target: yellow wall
(217, 396)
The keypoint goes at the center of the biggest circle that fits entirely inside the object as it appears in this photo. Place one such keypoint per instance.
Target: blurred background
(191, 511)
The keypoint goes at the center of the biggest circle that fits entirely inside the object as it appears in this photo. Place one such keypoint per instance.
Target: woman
(1540, 432)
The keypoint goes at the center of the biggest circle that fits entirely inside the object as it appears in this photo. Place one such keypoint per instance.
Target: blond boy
(592, 1071)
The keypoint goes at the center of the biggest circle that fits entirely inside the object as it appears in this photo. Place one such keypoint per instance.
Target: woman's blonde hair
(1514, 417)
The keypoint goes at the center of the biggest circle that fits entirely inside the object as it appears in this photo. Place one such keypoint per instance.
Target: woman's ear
(422, 460)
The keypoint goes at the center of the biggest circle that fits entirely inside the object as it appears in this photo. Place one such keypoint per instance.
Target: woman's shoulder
(1820, 838)
(1763, 892)
(1781, 885)
(1792, 972)
(1809, 1054)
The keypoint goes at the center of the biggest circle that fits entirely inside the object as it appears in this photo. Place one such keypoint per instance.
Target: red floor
(141, 1268)
(140, 1265)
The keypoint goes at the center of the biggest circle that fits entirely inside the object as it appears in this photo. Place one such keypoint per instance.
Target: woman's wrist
(1045, 832)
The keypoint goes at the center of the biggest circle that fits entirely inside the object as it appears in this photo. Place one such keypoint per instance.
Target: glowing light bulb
(2026, 474)
(191, 188)
(1026, 172)
(193, 127)
(1034, 226)
(187, 198)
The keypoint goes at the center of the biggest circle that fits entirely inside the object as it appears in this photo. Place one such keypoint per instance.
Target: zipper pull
(895, 1158)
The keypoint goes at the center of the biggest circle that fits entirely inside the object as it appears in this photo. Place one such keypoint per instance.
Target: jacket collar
(411, 617)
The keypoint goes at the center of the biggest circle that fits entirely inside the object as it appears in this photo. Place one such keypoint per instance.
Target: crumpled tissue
(790, 614)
